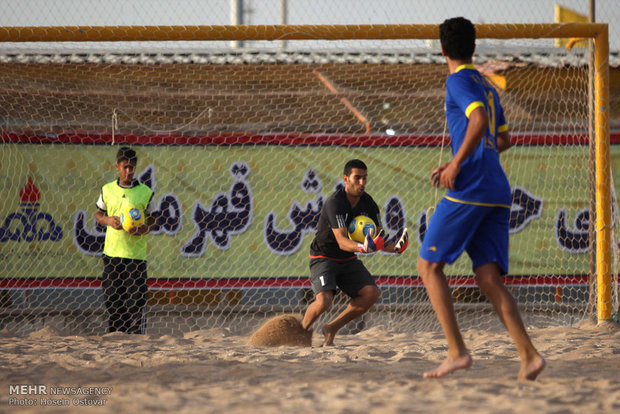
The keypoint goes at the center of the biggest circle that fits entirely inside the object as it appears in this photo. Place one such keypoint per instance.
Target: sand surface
(374, 371)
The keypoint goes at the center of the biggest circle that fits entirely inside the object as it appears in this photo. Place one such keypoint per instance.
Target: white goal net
(241, 147)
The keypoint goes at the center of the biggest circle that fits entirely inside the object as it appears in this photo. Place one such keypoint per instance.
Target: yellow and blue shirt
(481, 179)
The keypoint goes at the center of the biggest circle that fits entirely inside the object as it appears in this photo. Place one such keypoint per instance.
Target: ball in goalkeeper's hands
(360, 227)
(131, 217)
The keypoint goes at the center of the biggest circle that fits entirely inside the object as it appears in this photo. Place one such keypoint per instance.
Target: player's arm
(149, 224)
(476, 128)
(102, 218)
(503, 136)
(371, 243)
(344, 242)
(150, 220)
(503, 141)
(105, 220)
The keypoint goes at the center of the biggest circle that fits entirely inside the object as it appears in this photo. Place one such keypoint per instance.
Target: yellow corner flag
(566, 15)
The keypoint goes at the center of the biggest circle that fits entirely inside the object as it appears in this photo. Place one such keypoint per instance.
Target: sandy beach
(373, 371)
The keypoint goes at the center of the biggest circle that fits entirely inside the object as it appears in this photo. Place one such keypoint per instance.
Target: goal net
(243, 142)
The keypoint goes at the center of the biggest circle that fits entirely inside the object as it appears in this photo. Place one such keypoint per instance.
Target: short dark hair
(354, 164)
(458, 38)
(126, 154)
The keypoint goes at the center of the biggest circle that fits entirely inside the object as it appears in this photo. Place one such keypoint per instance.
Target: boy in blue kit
(474, 214)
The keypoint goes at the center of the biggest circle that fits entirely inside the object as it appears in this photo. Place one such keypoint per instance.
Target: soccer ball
(359, 228)
(131, 217)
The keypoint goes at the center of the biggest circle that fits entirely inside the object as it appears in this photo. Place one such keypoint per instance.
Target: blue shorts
(482, 231)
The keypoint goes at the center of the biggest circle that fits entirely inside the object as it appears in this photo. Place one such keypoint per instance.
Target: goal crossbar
(290, 32)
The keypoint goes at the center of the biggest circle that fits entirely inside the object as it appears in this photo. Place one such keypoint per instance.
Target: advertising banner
(250, 211)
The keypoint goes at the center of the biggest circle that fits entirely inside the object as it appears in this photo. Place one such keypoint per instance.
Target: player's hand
(139, 231)
(372, 244)
(115, 222)
(448, 175)
(402, 243)
(445, 175)
(436, 174)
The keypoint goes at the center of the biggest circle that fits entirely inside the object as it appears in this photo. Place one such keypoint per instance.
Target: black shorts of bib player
(333, 260)
(124, 279)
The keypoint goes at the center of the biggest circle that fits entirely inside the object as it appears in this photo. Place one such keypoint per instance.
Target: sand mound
(5, 333)
(47, 332)
(280, 331)
(593, 324)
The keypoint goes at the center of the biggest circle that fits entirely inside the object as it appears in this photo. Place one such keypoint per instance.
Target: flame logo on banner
(30, 224)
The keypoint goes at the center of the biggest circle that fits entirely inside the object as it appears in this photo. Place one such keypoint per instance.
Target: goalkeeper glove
(372, 244)
(402, 243)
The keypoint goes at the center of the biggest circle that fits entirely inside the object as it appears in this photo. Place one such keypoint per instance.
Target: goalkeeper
(333, 263)
(124, 278)
(474, 214)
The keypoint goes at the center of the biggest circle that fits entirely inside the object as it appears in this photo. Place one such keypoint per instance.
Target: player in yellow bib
(124, 279)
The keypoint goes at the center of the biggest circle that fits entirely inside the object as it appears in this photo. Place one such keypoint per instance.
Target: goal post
(234, 139)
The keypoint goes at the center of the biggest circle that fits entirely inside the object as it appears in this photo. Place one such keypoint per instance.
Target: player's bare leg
(489, 280)
(322, 302)
(359, 305)
(439, 294)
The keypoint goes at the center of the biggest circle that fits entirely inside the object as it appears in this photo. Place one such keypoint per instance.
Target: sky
(217, 12)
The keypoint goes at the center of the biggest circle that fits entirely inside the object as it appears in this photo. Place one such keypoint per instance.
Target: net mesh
(242, 147)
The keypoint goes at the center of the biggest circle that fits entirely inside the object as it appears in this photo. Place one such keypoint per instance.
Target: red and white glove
(402, 243)
(372, 244)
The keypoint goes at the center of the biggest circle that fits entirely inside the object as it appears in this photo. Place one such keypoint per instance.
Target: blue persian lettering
(229, 214)
(577, 239)
(422, 225)
(147, 177)
(88, 241)
(525, 208)
(311, 182)
(30, 225)
(302, 219)
(394, 219)
(168, 216)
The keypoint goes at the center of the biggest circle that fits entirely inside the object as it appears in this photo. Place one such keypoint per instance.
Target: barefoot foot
(450, 365)
(329, 336)
(530, 369)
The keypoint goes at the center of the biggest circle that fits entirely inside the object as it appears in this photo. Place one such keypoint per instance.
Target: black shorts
(348, 275)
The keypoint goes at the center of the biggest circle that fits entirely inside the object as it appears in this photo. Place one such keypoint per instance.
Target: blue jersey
(481, 179)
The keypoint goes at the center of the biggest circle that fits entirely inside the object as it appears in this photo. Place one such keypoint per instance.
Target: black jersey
(338, 213)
